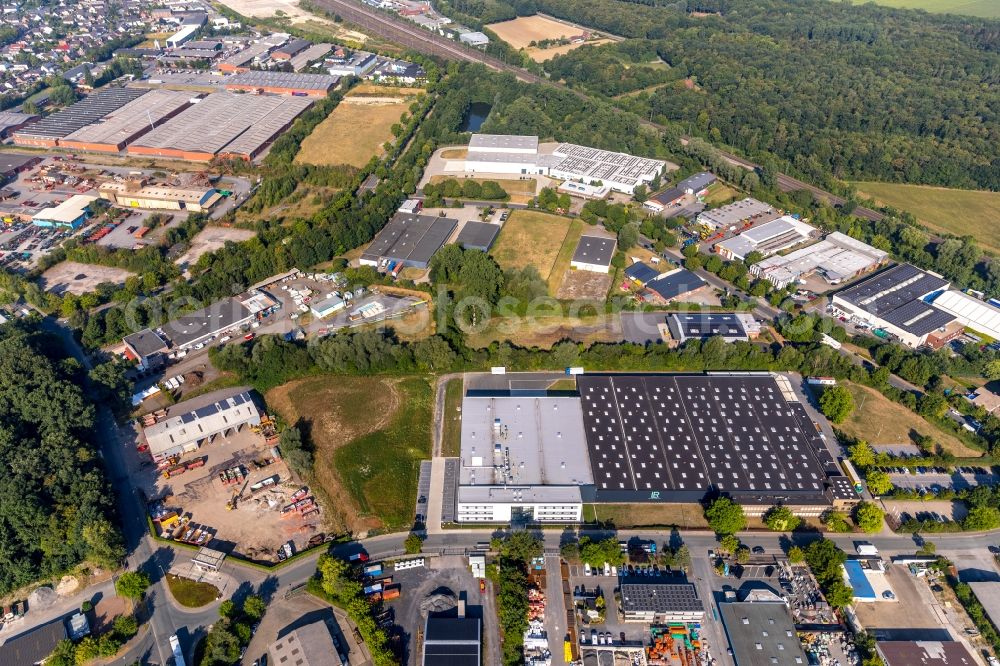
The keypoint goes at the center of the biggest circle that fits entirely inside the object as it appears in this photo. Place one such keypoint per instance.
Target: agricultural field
(360, 453)
(879, 420)
(936, 207)
(524, 30)
(357, 128)
(531, 238)
(984, 8)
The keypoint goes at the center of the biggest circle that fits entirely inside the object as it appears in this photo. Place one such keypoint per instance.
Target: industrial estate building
(837, 258)
(672, 285)
(12, 164)
(189, 424)
(175, 124)
(117, 129)
(898, 302)
(91, 109)
(309, 645)
(767, 238)
(627, 438)
(761, 632)
(980, 316)
(222, 125)
(522, 458)
(658, 600)
(478, 236)
(924, 653)
(70, 214)
(452, 641)
(146, 347)
(11, 121)
(409, 239)
(518, 154)
(696, 185)
(594, 253)
(730, 326)
(738, 213)
(282, 83)
(194, 328)
(136, 194)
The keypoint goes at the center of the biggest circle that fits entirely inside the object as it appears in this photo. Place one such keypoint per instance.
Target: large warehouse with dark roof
(897, 300)
(679, 437)
(47, 131)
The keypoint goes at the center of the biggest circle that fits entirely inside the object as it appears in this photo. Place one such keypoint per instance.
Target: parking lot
(905, 617)
(933, 479)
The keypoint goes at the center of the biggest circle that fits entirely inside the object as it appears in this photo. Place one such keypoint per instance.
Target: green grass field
(985, 8)
(451, 440)
(960, 212)
(190, 593)
(380, 469)
(531, 238)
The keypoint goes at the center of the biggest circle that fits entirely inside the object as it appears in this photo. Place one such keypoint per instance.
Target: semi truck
(175, 646)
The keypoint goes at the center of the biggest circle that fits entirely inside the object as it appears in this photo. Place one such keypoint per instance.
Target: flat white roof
(836, 258)
(971, 311)
(524, 440)
(519, 495)
(67, 211)
(503, 141)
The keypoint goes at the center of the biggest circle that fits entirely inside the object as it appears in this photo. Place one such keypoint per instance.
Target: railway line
(412, 36)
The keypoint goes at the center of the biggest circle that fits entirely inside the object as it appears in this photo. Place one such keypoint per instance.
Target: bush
(413, 544)
(836, 403)
(836, 521)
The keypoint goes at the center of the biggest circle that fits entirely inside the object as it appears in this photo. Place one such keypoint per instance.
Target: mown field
(524, 30)
(531, 238)
(358, 127)
(960, 212)
(363, 453)
(985, 8)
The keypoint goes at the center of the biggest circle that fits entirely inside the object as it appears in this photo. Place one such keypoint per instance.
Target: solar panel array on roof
(88, 110)
(918, 318)
(597, 250)
(676, 283)
(892, 289)
(641, 273)
(645, 595)
(676, 437)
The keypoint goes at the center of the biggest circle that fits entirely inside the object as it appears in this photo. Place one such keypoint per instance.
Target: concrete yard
(77, 278)
(908, 617)
(255, 528)
(211, 239)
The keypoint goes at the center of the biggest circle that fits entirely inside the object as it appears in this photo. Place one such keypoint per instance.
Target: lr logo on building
(654, 495)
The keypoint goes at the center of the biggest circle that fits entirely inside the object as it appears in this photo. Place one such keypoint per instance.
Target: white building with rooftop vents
(523, 458)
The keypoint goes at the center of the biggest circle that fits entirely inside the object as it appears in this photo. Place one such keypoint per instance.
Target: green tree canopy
(725, 516)
(836, 403)
(132, 584)
(781, 519)
(868, 517)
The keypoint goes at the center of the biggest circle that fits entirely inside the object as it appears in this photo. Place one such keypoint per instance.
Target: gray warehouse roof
(478, 235)
(311, 645)
(298, 81)
(645, 594)
(412, 239)
(595, 250)
(34, 645)
(924, 653)
(135, 117)
(194, 326)
(88, 110)
(503, 141)
(146, 343)
(919, 318)
(762, 633)
(541, 437)
(676, 283)
(699, 325)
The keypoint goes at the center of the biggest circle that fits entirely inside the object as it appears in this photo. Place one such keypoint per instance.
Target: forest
(861, 92)
(57, 508)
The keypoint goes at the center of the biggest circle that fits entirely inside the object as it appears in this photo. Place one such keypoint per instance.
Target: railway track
(412, 36)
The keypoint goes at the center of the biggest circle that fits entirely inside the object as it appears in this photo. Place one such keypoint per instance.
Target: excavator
(231, 504)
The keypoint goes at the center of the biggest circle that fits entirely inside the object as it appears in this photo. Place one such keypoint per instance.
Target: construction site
(232, 493)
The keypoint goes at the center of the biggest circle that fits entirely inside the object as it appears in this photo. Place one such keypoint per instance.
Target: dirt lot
(211, 239)
(360, 451)
(76, 278)
(882, 421)
(530, 238)
(291, 9)
(584, 285)
(255, 529)
(647, 515)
